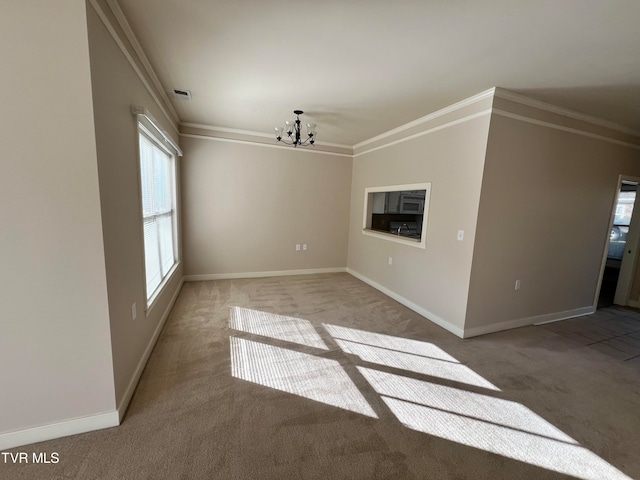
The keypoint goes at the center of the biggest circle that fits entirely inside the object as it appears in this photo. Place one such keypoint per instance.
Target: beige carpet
(322, 377)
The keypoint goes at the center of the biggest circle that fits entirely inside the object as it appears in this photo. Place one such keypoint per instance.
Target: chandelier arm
(295, 135)
(305, 143)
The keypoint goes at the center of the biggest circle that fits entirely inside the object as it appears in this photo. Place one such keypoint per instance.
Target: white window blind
(157, 180)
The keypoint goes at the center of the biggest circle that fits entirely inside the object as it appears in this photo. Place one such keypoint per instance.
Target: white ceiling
(359, 68)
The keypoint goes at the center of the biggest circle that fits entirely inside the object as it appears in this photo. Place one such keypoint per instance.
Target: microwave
(411, 204)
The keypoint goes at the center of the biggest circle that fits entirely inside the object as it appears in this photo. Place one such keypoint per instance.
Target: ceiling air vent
(182, 94)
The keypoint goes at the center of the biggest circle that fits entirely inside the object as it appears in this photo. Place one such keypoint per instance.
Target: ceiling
(359, 68)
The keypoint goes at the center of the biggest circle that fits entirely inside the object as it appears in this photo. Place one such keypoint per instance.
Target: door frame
(630, 256)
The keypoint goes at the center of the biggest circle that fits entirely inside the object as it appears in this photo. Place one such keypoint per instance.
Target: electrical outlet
(304, 246)
(390, 260)
(517, 284)
(460, 235)
(297, 247)
(133, 311)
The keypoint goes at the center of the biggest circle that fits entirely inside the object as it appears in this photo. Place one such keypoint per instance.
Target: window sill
(153, 300)
(412, 242)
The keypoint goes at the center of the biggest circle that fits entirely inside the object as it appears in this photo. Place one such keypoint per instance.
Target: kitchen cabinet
(393, 202)
(379, 202)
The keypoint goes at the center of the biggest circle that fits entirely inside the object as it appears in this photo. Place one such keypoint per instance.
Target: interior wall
(634, 291)
(546, 203)
(435, 280)
(54, 342)
(116, 87)
(246, 206)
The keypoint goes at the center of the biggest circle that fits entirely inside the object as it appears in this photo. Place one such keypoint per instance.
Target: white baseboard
(556, 317)
(276, 273)
(126, 398)
(60, 429)
(474, 332)
(409, 304)
(523, 322)
(93, 422)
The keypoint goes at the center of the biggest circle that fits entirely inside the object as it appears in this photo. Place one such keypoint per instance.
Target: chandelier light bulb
(311, 129)
(290, 126)
(292, 130)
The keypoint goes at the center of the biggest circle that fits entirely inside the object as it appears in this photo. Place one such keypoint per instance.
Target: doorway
(621, 252)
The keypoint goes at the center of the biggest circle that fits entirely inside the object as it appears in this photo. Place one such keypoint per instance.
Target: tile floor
(613, 330)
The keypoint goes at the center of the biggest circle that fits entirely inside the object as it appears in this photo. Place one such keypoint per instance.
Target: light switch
(460, 235)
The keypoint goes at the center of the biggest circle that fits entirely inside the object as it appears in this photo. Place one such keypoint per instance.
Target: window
(158, 187)
(397, 213)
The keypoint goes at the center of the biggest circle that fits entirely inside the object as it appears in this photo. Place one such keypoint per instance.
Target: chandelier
(292, 130)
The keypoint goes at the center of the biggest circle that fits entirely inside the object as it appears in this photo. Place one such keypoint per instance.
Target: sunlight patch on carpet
(389, 342)
(482, 407)
(320, 379)
(272, 325)
(424, 358)
(494, 425)
(481, 421)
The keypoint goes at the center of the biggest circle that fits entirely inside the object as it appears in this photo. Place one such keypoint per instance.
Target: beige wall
(547, 197)
(435, 279)
(54, 341)
(246, 206)
(116, 87)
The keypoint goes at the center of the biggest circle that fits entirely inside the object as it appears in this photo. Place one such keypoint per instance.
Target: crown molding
(133, 40)
(250, 133)
(266, 145)
(438, 113)
(213, 128)
(563, 128)
(458, 121)
(102, 15)
(565, 112)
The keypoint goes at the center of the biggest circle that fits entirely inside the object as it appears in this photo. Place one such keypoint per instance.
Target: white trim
(127, 54)
(556, 317)
(139, 111)
(225, 130)
(399, 188)
(152, 301)
(412, 242)
(443, 111)
(276, 273)
(629, 261)
(563, 128)
(258, 144)
(409, 304)
(58, 430)
(367, 214)
(250, 133)
(565, 112)
(523, 322)
(128, 394)
(133, 40)
(426, 132)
